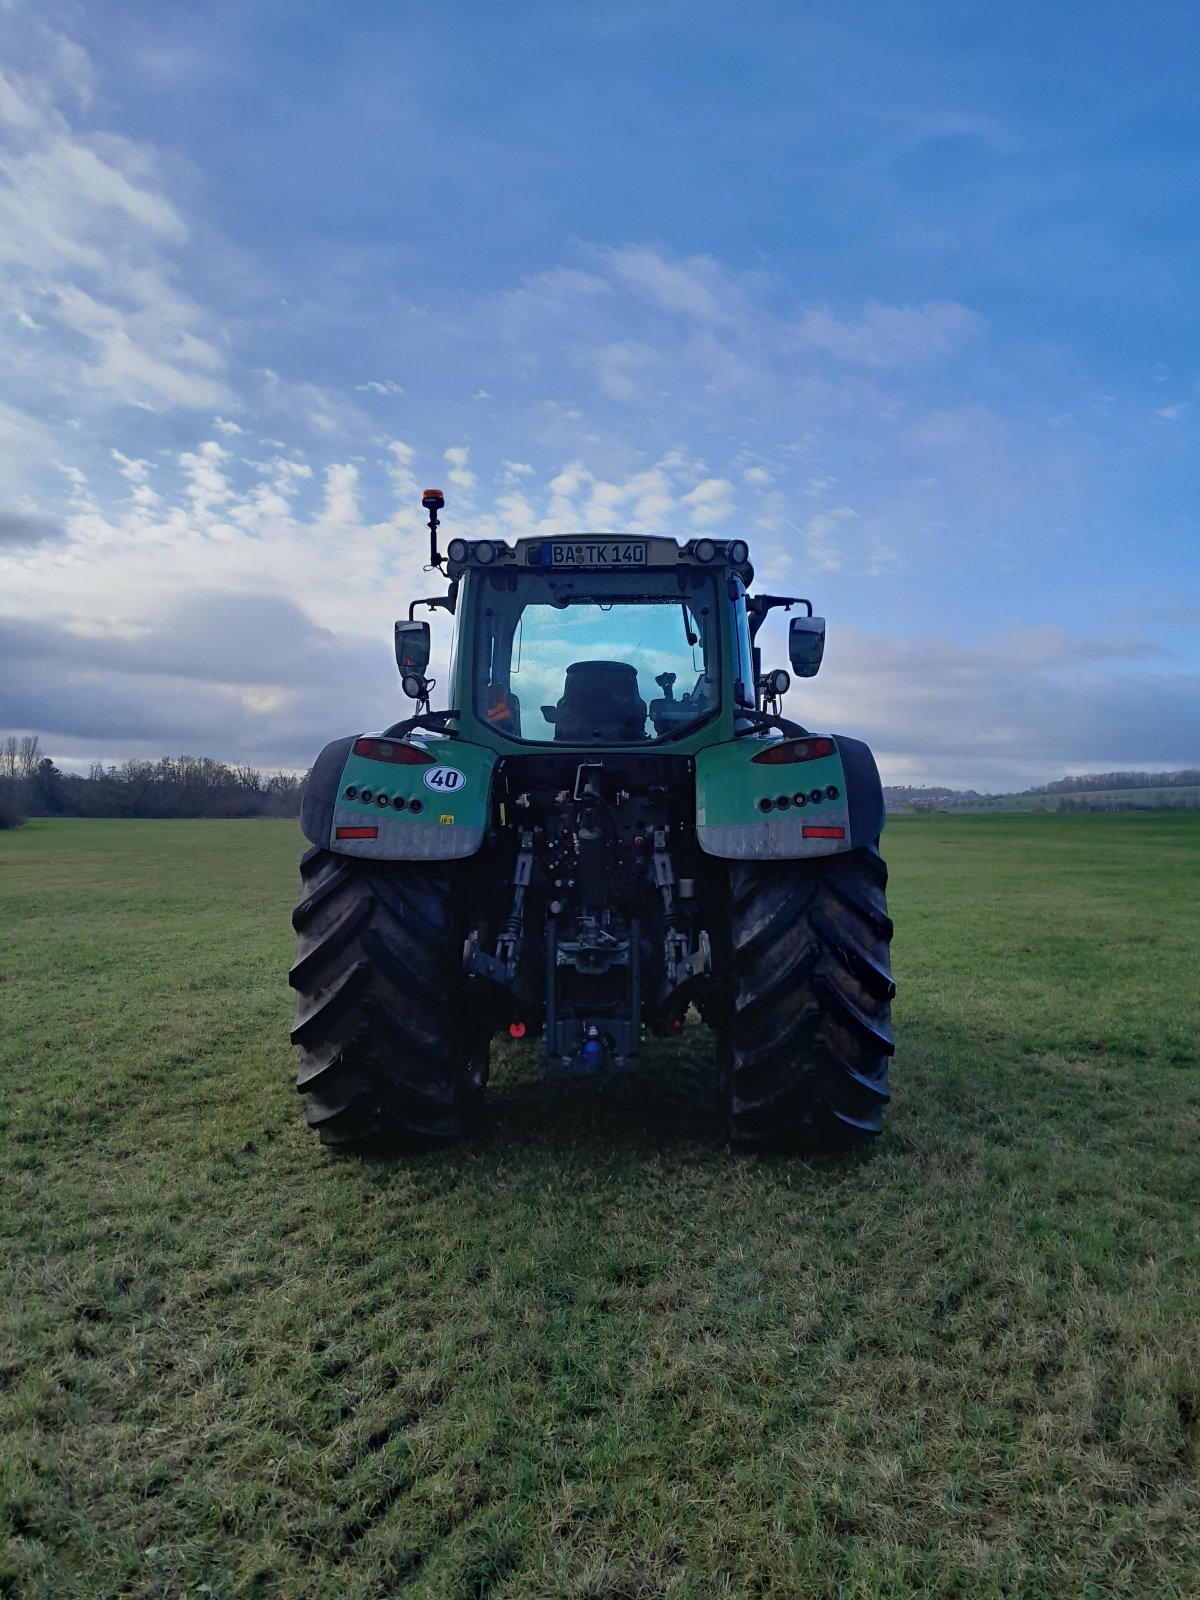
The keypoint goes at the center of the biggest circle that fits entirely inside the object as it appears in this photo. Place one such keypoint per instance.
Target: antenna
(433, 500)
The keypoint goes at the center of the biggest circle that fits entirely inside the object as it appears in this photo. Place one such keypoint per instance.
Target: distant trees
(1090, 781)
(19, 760)
(1094, 791)
(1132, 799)
(174, 786)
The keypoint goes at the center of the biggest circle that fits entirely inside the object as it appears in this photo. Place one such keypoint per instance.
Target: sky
(903, 293)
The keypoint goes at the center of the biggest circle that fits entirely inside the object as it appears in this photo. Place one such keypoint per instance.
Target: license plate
(590, 553)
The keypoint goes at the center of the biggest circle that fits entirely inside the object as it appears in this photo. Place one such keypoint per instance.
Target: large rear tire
(806, 1032)
(388, 1053)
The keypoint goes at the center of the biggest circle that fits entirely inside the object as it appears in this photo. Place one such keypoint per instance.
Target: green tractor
(611, 821)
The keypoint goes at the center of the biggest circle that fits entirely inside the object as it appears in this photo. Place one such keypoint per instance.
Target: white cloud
(1007, 710)
(624, 369)
(322, 409)
(207, 486)
(137, 473)
(824, 545)
(24, 441)
(180, 582)
(710, 502)
(460, 475)
(888, 336)
(89, 241)
(341, 508)
(385, 386)
(696, 287)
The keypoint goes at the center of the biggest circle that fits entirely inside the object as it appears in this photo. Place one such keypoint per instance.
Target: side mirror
(412, 648)
(806, 645)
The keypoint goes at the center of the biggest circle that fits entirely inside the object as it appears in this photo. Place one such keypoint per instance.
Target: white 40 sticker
(445, 779)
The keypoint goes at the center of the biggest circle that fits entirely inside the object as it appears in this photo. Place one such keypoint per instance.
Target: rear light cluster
(785, 751)
(813, 797)
(393, 750)
(398, 802)
(397, 754)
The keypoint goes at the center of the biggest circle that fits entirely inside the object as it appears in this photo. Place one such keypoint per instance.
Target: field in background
(592, 1352)
(1178, 797)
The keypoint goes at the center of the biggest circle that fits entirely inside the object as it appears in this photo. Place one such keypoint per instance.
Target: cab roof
(599, 552)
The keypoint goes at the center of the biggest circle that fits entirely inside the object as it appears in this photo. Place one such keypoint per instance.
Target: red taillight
(357, 833)
(788, 750)
(393, 750)
(516, 1030)
(810, 832)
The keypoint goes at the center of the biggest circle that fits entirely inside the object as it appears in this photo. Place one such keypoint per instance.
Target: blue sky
(904, 293)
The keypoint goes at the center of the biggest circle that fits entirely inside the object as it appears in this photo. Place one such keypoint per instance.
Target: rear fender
(433, 810)
(833, 803)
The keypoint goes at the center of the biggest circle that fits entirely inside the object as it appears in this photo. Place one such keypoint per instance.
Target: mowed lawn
(592, 1352)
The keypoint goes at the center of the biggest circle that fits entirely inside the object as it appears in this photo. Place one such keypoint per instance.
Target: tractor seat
(600, 701)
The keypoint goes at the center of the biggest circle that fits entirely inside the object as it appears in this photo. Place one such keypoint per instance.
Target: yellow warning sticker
(445, 818)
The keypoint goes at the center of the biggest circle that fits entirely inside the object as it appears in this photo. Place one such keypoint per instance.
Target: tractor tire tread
(806, 1033)
(380, 1012)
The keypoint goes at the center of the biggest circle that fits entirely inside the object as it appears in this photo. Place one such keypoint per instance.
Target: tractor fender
(321, 790)
(864, 789)
(434, 808)
(748, 810)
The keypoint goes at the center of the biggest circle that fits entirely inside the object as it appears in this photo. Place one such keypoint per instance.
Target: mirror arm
(758, 605)
(437, 602)
(760, 720)
(433, 721)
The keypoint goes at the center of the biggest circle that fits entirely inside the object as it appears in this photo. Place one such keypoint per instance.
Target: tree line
(1089, 781)
(1135, 798)
(31, 785)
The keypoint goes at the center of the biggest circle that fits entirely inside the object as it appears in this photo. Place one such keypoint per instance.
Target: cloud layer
(215, 426)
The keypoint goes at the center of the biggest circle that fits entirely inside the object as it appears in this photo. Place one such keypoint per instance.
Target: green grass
(593, 1353)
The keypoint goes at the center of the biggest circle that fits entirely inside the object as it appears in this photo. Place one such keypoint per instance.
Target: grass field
(593, 1353)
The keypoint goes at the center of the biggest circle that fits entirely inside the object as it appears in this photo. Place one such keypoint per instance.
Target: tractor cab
(591, 658)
